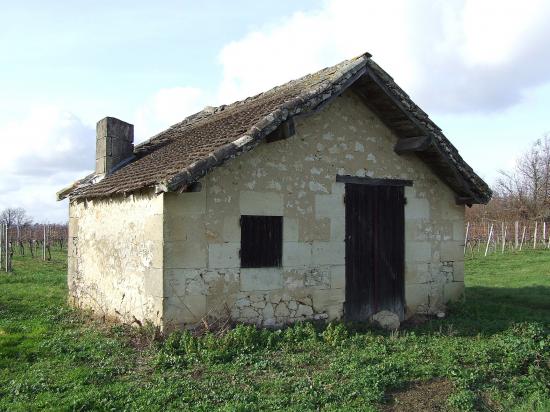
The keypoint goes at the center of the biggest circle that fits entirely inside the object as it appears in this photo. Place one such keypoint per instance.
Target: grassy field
(491, 353)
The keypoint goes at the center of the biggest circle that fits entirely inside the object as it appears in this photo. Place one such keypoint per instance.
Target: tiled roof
(187, 150)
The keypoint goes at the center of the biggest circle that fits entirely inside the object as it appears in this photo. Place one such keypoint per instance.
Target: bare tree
(526, 189)
(7, 217)
(15, 217)
(21, 218)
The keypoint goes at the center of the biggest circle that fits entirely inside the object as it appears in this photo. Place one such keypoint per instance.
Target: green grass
(494, 349)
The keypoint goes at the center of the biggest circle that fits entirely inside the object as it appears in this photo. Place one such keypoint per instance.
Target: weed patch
(491, 353)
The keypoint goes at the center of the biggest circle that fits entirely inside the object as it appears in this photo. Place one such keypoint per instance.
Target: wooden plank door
(375, 250)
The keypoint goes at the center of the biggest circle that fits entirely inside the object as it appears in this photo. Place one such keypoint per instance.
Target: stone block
(452, 250)
(338, 277)
(281, 310)
(188, 309)
(250, 315)
(451, 211)
(335, 312)
(459, 231)
(101, 148)
(231, 229)
(187, 203)
(316, 186)
(294, 279)
(121, 150)
(315, 229)
(290, 229)
(325, 298)
(194, 307)
(268, 314)
(224, 255)
(304, 311)
(213, 228)
(254, 279)
(458, 271)
(261, 203)
(415, 230)
(329, 253)
(153, 228)
(317, 277)
(175, 281)
(444, 231)
(410, 192)
(338, 228)
(186, 254)
(186, 227)
(222, 281)
(417, 208)
(296, 254)
(276, 296)
(417, 272)
(115, 129)
(416, 295)
(218, 305)
(418, 251)
(436, 302)
(329, 205)
(338, 188)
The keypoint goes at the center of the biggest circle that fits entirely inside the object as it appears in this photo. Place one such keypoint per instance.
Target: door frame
(372, 181)
(369, 181)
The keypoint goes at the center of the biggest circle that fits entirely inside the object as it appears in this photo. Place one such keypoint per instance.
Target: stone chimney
(114, 143)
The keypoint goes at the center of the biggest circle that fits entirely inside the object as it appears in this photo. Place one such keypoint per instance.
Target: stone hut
(333, 196)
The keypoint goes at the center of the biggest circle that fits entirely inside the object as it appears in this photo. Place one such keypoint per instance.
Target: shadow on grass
(528, 302)
(485, 311)
(489, 310)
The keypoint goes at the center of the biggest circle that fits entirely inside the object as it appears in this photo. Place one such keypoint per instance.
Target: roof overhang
(418, 135)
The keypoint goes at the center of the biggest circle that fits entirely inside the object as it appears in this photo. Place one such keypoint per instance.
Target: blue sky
(480, 68)
(105, 56)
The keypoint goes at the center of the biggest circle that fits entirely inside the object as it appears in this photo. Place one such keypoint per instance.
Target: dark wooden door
(375, 250)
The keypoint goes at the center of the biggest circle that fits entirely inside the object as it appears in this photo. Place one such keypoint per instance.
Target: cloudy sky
(481, 69)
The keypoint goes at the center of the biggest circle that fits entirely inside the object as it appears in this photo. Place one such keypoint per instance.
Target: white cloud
(37, 196)
(307, 42)
(495, 29)
(166, 107)
(50, 148)
(41, 153)
(452, 56)
(48, 140)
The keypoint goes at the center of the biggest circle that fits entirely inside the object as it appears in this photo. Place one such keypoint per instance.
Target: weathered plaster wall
(115, 257)
(295, 178)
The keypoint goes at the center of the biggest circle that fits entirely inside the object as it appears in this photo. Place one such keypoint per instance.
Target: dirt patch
(430, 396)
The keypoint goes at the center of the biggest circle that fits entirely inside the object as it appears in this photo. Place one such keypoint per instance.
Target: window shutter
(261, 241)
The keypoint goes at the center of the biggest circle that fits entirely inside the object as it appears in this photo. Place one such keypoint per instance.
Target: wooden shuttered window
(261, 241)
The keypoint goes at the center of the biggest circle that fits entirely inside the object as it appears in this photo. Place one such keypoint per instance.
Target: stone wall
(203, 274)
(115, 257)
(295, 178)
